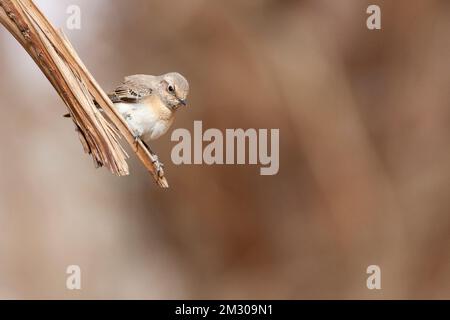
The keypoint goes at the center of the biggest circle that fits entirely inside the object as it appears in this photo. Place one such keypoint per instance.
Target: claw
(159, 166)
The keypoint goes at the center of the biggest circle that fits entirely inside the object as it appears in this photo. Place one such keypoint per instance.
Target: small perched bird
(148, 104)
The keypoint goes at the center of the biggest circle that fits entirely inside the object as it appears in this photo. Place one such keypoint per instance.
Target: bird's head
(174, 89)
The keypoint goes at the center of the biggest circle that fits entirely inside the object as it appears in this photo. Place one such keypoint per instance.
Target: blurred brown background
(364, 119)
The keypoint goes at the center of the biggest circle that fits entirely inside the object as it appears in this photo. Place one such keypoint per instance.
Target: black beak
(183, 102)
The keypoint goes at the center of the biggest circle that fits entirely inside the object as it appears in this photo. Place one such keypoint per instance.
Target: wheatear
(148, 104)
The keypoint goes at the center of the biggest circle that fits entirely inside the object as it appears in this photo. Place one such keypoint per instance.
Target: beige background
(364, 176)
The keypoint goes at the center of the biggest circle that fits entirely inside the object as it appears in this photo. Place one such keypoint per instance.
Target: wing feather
(132, 90)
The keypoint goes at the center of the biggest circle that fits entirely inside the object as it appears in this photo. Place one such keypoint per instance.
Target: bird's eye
(171, 88)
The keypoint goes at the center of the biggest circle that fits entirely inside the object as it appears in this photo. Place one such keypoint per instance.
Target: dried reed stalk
(57, 59)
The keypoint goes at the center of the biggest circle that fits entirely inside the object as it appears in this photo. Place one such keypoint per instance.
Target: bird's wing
(132, 90)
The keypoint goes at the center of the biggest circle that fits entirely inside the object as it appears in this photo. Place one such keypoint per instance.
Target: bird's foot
(159, 166)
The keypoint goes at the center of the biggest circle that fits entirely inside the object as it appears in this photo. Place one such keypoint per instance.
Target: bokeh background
(364, 119)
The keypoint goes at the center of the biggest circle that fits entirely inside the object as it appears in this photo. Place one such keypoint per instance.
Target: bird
(148, 105)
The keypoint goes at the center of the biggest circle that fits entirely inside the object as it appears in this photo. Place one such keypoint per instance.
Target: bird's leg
(136, 142)
(155, 160)
(159, 166)
(137, 136)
